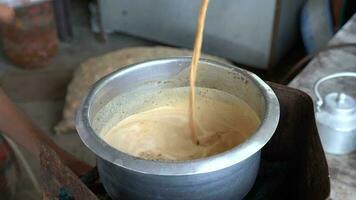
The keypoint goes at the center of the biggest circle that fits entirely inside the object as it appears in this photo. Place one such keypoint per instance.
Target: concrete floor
(41, 93)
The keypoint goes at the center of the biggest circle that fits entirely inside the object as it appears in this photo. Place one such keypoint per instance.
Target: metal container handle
(319, 99)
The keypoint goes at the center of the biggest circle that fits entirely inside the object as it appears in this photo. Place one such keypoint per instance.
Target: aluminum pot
(228, 175)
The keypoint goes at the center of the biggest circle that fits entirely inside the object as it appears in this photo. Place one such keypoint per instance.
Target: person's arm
(17, 126)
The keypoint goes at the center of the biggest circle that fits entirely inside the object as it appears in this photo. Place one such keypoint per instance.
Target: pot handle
(319, 99)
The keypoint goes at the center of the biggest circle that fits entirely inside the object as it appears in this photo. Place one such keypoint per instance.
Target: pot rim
(175, 168)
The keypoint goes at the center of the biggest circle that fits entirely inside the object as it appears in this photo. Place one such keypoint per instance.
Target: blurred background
(53, 50)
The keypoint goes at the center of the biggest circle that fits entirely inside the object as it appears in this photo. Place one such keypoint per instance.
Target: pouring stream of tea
(194, 67)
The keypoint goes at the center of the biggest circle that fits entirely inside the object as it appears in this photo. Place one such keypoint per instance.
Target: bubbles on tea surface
(166, 112)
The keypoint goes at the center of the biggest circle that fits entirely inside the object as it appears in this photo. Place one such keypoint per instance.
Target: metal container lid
(339, 103)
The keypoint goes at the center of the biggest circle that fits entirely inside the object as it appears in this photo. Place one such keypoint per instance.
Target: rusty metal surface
(55, 175)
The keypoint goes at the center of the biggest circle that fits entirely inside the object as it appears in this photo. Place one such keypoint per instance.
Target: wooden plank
(55, 175)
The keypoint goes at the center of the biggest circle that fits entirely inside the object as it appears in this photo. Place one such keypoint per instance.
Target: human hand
(6, 14)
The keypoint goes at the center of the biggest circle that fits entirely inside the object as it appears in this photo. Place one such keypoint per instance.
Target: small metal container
(228, 175)
(336, 118)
